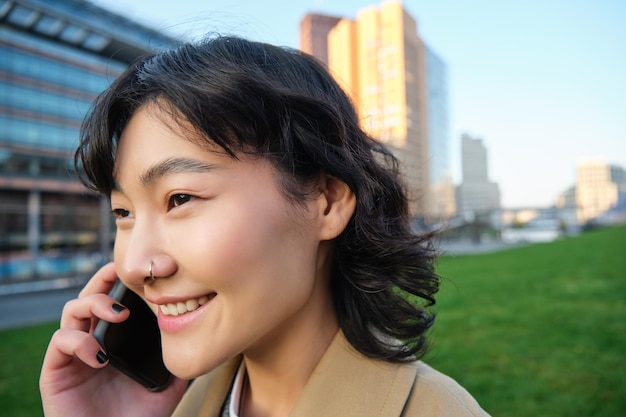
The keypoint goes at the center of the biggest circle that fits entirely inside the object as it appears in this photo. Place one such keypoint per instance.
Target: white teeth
(191, 305)
(175, 309)
(172, 309)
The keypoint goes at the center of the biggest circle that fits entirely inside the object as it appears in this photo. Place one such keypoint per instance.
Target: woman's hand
(73, 380)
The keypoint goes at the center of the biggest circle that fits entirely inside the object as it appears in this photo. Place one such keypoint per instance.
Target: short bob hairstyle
(282, 105)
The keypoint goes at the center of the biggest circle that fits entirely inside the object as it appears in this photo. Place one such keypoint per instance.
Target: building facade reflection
(55, 58)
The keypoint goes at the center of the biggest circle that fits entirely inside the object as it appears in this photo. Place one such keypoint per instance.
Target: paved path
(32, 308)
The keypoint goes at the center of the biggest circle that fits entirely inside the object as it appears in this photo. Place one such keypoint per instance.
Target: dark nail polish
(118, 308)
(102, 357)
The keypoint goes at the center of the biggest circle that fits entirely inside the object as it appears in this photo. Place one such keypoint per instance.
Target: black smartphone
(134, 346)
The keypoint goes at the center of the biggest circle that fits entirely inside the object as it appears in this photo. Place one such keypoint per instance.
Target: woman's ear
(337, 203)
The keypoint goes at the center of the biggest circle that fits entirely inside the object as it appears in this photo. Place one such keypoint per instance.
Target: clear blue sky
(542, 82)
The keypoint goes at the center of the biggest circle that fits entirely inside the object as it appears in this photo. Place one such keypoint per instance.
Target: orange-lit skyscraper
(381, 62)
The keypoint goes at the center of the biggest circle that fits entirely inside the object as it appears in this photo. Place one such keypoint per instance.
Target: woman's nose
(161, 266)
(139, 271)
(142, 258)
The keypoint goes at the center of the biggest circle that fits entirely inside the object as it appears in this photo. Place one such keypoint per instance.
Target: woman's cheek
(119, 249)
(213, 243)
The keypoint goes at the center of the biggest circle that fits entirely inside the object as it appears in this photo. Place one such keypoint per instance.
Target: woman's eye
(120, 213)
(178, 200)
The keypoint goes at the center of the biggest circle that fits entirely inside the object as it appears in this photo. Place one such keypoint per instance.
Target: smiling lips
(176, 309)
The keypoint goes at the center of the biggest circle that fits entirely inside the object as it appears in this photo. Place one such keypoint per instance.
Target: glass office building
(442, 204)
(55, 58)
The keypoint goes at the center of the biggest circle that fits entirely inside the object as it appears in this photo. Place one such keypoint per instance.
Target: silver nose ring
(150, 271)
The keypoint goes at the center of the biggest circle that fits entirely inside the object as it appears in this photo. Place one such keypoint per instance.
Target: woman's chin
(190, 367)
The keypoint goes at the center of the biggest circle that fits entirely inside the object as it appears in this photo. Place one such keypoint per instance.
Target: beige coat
(345, 383)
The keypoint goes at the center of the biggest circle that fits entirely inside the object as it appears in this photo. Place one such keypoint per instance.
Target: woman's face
(238, 267)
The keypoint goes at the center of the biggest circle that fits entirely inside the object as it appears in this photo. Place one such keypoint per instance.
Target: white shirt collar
(236, 392)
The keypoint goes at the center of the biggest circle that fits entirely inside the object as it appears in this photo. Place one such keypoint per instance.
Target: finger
(80, 313)
(101, 282)
(67, 344)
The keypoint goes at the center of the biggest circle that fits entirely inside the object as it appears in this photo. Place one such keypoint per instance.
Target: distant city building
(600, 187)
(476, 193)
(566, 204)
(314, 30)
(399, 88)
(442, 199)
(55, 58)
(567, 198)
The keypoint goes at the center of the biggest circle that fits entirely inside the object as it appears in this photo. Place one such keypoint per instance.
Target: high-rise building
(442, 199)
(476, 193)
(381, 62)
(314, 30)
(55, 58)
(600, 187)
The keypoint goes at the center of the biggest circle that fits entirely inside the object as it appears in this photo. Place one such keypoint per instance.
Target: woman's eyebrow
(174, 166)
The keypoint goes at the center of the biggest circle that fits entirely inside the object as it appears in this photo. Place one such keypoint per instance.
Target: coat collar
(347, 383)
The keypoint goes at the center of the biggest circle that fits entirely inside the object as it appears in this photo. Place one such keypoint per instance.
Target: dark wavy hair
(282, 104)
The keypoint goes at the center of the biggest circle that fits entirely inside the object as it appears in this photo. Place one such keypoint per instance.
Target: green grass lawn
(533, 331)
(538, 330)
(21, 355)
